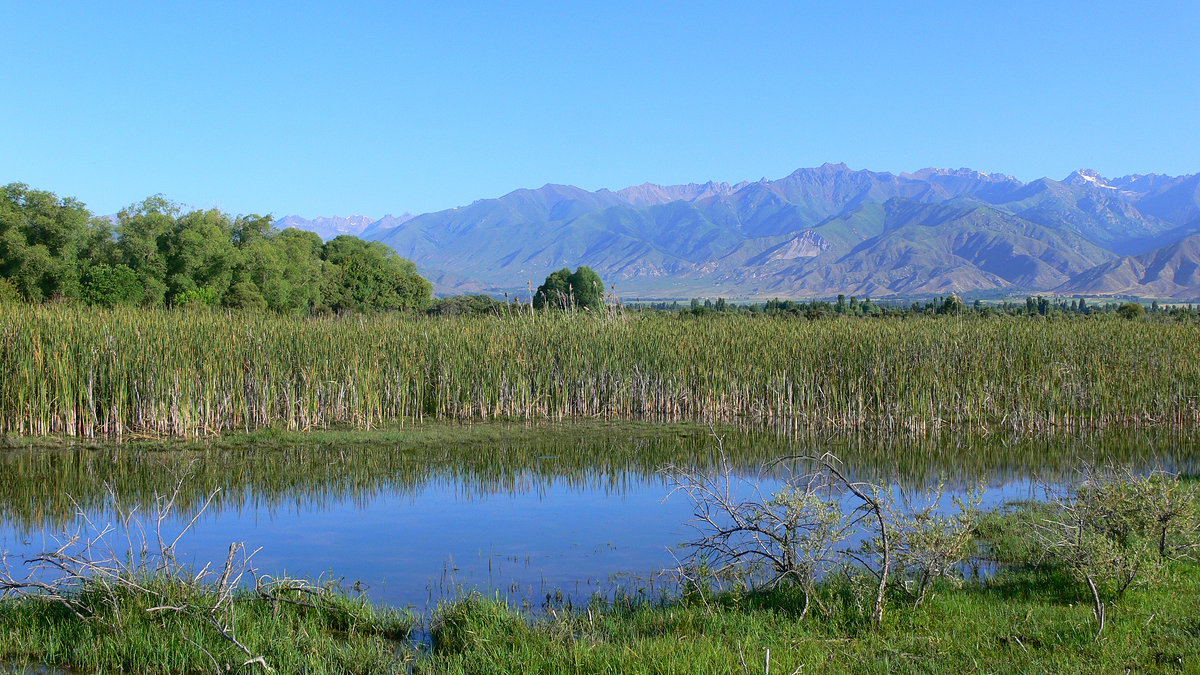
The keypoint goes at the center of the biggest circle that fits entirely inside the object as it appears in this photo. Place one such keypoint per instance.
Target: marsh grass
(88, 372)
(1022, 620)
(346, 636)
(1018, 621)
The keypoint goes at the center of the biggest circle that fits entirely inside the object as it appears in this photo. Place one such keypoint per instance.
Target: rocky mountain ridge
(822, 231)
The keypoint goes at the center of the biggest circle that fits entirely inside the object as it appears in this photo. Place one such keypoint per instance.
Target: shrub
(928, 544)
(196, 297)
(1115, 529)
(1131, 310)
(9, 295)
(108, 286)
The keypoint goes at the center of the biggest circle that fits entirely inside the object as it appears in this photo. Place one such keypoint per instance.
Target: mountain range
(333, 226)
(819, 232)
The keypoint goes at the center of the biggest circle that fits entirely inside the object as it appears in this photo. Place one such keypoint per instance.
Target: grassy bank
(131, 633)
(1020, 621)
(91, 372)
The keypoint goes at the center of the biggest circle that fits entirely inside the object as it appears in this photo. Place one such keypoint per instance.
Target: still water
(540, 514)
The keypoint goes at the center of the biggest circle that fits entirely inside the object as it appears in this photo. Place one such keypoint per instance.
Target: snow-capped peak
(1088, 178)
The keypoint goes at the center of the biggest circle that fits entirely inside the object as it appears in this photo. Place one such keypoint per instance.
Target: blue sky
(371, 108)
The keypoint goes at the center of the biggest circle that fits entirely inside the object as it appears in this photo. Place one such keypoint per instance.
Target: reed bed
(87, 372)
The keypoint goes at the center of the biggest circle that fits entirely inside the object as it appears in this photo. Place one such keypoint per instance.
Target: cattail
(93, 372)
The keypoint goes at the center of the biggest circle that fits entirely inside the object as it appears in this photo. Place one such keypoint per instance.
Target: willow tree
(563, 289)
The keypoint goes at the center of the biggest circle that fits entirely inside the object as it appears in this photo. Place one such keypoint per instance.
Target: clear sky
(382, 107)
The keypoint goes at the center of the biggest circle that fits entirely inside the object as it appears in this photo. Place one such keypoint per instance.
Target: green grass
(125, 372)
(345, 635)
(1023, 621)
(1020, 621)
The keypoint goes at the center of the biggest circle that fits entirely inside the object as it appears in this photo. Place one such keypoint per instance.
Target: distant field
(93, 372)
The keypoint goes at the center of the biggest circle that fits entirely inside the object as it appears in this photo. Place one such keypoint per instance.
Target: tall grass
(88, 372)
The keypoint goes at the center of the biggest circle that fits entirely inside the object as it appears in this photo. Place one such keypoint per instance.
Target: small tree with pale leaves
(1115, 529)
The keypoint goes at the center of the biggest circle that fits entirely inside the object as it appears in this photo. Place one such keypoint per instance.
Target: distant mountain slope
(649, 194)
(1175, 200)
(330, 227)
(816, 232)
(1172, 271)
(905, 247)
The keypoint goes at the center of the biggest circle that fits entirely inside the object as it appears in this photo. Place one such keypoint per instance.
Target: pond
(549, 513)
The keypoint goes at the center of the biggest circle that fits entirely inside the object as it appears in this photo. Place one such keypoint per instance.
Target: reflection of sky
(413, 549)
(509, 527)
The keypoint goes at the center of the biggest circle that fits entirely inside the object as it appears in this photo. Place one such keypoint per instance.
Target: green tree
(143, 236)
(951, 305)
(1131, 310)
(303, 270)
(587, 289)
(155, 254)
(245, 295)
(252, 228)
(364, 275)
(262, 264)
(200, 254)
(563, 289)
(259, 267)
(555, 291)
(40, 240)
(106, 286)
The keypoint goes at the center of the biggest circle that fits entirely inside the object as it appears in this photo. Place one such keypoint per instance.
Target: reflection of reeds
(282, 471)
(90, 372)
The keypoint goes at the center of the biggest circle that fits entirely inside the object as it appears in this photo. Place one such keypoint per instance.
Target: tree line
(947, 305)
(154, 253)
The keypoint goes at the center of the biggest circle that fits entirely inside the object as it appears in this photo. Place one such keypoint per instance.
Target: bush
(928, 543)
(1131, 310)
(467, 305)
(196, 297)
(1115, 529)
(9, 295)
(107, 286)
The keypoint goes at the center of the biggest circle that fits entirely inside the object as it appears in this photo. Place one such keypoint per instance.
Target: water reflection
(525, 512)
